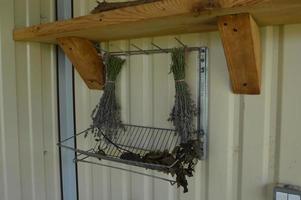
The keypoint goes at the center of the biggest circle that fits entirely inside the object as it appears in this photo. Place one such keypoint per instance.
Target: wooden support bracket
(85, 59)
(241, 40)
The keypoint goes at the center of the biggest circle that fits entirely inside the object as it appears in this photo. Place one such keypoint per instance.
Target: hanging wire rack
(141, 140)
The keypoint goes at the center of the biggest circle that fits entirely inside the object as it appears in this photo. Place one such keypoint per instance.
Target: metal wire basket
(139, 140)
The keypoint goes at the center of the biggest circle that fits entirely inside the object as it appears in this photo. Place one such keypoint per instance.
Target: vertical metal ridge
(30, 129)
(35, 113)
(269, 49)
(50, 128)
(3, 172)
(10, 173)
(152, 189)
(279, 95)
(148, 115)
(127, 177)
(241, 134)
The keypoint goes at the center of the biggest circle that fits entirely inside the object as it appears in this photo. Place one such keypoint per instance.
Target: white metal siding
(254, 141)
(29, 164)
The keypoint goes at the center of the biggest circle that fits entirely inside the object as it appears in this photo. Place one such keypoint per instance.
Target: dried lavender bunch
(106, 115)
(184, 110)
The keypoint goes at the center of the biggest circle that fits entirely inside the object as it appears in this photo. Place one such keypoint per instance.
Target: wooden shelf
(162, 18)
(238, 22)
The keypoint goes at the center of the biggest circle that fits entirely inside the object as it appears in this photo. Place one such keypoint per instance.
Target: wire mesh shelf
(127, 141)
(138, 140)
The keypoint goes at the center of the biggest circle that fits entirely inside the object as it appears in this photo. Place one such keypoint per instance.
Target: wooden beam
(238, 3)
(241, 41)
(85, 59)
(115, 24)
(161, 18)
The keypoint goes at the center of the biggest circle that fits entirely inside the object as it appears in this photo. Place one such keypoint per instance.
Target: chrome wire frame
(141, 139)
(136, 139)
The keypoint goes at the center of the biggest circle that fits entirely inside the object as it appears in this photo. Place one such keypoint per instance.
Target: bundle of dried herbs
(106, 116)
(182, 161)
(187, 154)
(184, 109)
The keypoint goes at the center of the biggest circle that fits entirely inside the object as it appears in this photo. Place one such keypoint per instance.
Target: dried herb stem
(106, 116)
(184, 110)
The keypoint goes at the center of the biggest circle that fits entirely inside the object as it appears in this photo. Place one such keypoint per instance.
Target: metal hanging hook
(98, 47)
(142, 50)
(158, 47)
(126, 53)
(180, 42)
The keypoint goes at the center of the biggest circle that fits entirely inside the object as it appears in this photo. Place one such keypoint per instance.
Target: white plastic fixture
(287, 192)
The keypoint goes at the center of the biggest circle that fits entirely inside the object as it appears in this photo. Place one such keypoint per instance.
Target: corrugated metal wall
(29, 161)
(254, 140)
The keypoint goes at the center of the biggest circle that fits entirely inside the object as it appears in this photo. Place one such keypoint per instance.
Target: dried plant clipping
(184, 110)
(106, 116)
(183, 160)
